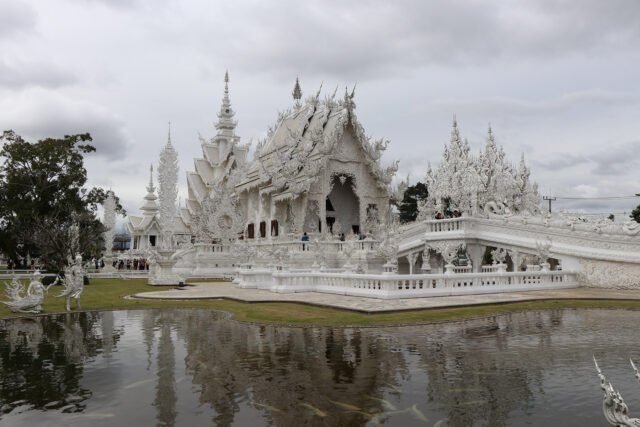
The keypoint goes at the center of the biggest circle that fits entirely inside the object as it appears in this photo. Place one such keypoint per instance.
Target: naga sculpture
(29, 301)
(615, 410)
(73, 282)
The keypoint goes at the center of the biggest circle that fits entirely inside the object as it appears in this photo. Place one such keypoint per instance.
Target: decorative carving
(542, 249)
(168, 191)
(73, 282)
(219, 216)
(498, 255)
(25, 302)
(615, 409)
(109, 222)
(448, 249)
(389, 247)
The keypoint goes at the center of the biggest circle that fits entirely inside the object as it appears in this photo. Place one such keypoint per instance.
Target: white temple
(318, 173)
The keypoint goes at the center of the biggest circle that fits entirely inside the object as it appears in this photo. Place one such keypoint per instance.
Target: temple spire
(226, 125)
(150, 206)
(297, 93)
(150, 187)
(169, 134)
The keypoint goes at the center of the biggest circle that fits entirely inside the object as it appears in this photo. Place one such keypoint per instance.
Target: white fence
(389, 286)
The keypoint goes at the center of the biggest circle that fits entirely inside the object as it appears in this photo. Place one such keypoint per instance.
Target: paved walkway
(227, 290)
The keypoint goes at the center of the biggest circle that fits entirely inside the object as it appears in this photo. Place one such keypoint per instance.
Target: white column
(412, 260)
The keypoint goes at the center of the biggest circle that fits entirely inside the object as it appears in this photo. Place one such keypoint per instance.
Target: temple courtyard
(227, 290)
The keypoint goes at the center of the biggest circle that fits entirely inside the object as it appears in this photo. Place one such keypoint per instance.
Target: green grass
(108, 294)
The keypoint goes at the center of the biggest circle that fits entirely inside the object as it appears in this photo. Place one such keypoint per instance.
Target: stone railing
(366, 245)
(390, 286)
(579, 240)
(443, 225)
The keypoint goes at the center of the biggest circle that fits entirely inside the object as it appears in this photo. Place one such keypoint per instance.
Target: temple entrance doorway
(343, 206)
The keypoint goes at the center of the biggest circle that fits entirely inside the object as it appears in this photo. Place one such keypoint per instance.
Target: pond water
(197, 368)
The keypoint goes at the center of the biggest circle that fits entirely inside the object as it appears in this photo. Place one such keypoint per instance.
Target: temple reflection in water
(177, 367)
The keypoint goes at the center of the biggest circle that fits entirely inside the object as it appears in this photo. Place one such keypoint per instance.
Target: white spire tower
(168, 189)
(150, 206)
(226, 125)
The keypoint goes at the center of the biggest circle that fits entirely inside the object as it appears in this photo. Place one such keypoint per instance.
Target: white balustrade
(449, 224)
(404, 286)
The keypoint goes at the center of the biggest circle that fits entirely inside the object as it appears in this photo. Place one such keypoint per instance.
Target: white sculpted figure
(499, 255)
(542, 249)
(73, 282)
(29, 302)
(615, 409)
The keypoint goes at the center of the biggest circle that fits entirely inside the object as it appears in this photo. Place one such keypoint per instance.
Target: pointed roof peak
(150, 187)
(297, 92)
(169, 134)
(150, 207)
(226, 125)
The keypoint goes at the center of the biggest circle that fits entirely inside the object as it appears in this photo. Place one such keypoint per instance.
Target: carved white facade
(318, 173)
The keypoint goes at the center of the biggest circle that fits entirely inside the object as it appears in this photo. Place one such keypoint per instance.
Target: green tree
(42, 195)
(409, 205)
(635, 214)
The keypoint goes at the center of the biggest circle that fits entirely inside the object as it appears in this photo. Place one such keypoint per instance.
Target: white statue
(499, 255)
(29, 302)
(615, 410)
(73, 282)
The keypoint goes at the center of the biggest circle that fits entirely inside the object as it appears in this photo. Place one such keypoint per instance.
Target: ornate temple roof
(308, 133)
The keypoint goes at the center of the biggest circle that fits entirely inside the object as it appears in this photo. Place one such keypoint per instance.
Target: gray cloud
(559, 161)
(16, 17)
(372, 39)
(514, 106)
(23, 74)
(617, 159)
(39, 113)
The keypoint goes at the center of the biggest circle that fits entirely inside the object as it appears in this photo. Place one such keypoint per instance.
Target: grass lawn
(108, 294)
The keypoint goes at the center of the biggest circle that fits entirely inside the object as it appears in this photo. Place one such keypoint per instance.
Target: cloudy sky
(557, 80)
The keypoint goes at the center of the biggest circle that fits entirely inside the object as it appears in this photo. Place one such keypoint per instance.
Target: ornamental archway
(343, 205)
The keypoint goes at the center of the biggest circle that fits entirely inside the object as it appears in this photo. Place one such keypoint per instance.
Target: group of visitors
(448, 214)
(22, 264)
(131, 264)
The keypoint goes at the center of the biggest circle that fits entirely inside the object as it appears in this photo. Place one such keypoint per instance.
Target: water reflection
(42, 359)
(195, 367)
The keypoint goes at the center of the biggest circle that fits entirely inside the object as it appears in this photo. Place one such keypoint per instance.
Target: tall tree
(409, 205)
(42, 195)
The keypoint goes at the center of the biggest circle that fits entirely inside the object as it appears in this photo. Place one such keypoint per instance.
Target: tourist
(439, 215)
(342, 237)
(456, 213)
(304, 238)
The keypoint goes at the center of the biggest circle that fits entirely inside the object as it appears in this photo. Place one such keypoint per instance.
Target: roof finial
(455, 121)
(151, 188)
(169, 134)
(226, 124)
(297, 92)
(353, 91)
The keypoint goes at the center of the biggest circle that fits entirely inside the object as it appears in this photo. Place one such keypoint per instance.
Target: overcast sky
(557, 80)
